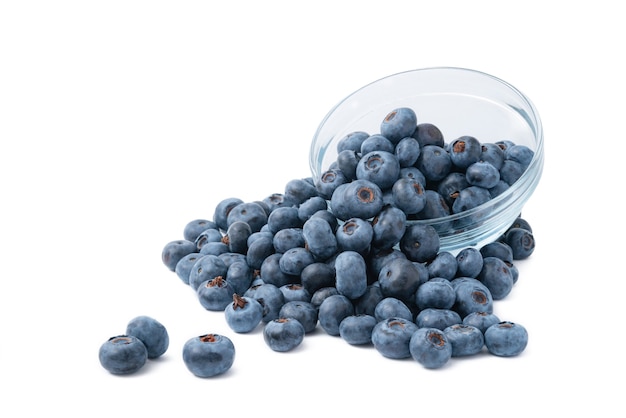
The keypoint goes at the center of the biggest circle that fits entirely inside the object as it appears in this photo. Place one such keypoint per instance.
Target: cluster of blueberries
(344, 253)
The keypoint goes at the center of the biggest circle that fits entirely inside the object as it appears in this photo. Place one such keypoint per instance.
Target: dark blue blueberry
(316, 276)
(209, 355)
(355, 235)
(357, 329)
(511, 171)
(482, 174)
(350, 274)
(437, 318)
(521, 241)
(332, 310)
(295, 292)
(465, 151)
(519, 153)
(521, 223)
(444, 265)
(412, 173)
(329, 180)
(303, 311)
(400, 279)
(376, 142)
(259, 248)
(310, 207)
(173, 251)
(398, 124)
(258, 235)
(497, 249)
(391, 337)
(450, 187)
(506, 339)
(505, 144)
(347, 162)
(270, 297)
(466, 340)
(408, 195)
(293, 261)
(123, 354)
(367, 303)
(497, 277)
(321, 294)
(481, 320)
(380, 167)
(428, 134)
(430, 348)
(299, 190)
(206, 236)
(378, 258)
(222, 209)
(152, 334)
(319, 239)
(215, 294)
(185, 264)
(435, 293)
(492, 154)
(471, 296)
(435, 207)
(501, 187)
(229, 258)
(420, 243)
(214, 248)
(244, 314)
(272, 273)
(195, 227)
(388, 227)
(470, 198)
(283, 334)
(357, 199)
(407, 151)
(250, 212)
(352, 141)
(282, 218)
(422, 269)
(277, 200)
(206, 268)
(236, 237)
(239, 276)
(288, 238)
(329, 217)
(390, 307)
(434, 162)
(469, 262)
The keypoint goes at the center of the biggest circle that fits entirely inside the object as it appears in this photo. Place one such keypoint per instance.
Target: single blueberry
(222, 209)
(123, 354)
(492, 154)
(350, 274)
(347, 162)
(451, 185)
(288, 238)
(471, 296)
(400, 279)
(399, 123)
(250, 212)
(295, 292)
(497, 277)
(236, 237)
(303, 311)
(316, 276)
(521, 154)
(294, 260)
(244, 314)
(430, 348)
(173, 251)
(215, 294)
(206, 268)
(357, 199)
(195, 227)
(355, 235)
(481, 320)
(299, 190)
(434, 162)
(391, 337)
(420, 243)
(332, 310)
(437, 318)
(282, 218)
(357, 329)
(376, 142)
(152, 334)
(444, 265)
(209, 355)
(511, 171)
(328, 181)
(283, 334)
(482, 174)
(469, 262)
(466, 340)
(185, 264)
(428, 134)
(437, 294)
(352, 141)
(465, 151)
(319, 239)
(408, 195)
(390, 307)
(521, 241)
(310, 207)
(388, 227)
(506, 339)
(380, 167)
(407, 151)
(271, 272)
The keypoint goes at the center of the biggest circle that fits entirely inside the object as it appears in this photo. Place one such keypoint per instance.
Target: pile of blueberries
(344, 254)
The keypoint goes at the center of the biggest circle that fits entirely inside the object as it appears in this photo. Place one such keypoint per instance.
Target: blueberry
(400, 279)
(378, 258)
(357, 329)
(272, 273)
(350, 274)
(511, 171)
(209, 355)
(329, 217)
(321, 294)
(295, 292)
(303, 311)
(352, 141)
(471, 296)
(437, 318)
(319, 238)
(391, 337)
(239, 276)
(215, 294)
(469, 262)
(173, 251)
(123, 354)
(299, 190)
(250, 212)
(283, 334)
(497, 277)
(434, 207)
(316, 276)
(430, 348)
(355, 235)
(499, 188)
(481, 320)
(333, 309)
(470, 198)
(236, 237)
(270, 297)
(277, 200)
(310, 207)
(151, 333)
(506, 339)
(482, 174)
(407, 151)
(465, 151)
(388, 227)
(412, 173)
(434, 162)
(288, 238)
(520, 154)
(420, 243)
(466, 340)
(222, 209)
(206, 268)
(357, 199)
(214, 248)
(347, 162)
(492, 154)
(398, 124)
(282, 218)
(497, 249)
(435, 293)
(294, 260)
(444, 265)
(195, 227)
(451, 185)
(380, 167)
(329, 181)
(390, 307)
(428, 134)
(521, 223)
(521, 241)
(408, 195)
(185, 264)
(244, 314)
(376, 142)
(259, 248)
(366, 304)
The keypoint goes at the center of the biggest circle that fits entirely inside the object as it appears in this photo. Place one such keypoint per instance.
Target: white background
(120, 121)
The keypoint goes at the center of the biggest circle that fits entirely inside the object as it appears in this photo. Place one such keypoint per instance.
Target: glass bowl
(459, 102)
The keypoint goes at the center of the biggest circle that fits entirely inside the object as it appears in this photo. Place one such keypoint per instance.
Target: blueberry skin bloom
(123, 354)
(380, 167)
(355, 235)
(357, 329)
(391, 337)
(399, 123)
(482, 174)
(434, 162)
(521, 241)
(481, 320)
(471, 296)
(430, 348)
(304, 312)
(388, 227)
(420, 243)
(333, 309)
(152, 334)
(209, 355)
(506, 339)
(173, 251)
(244, 314)
(350, 274)
(357, 199)
(437, 318)
(400, 279)
(283, 334)
(497, 277)
(465, 151)
(319, 238)
(216, 294)
(466, 340)
(437, 294)
(469, 262)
